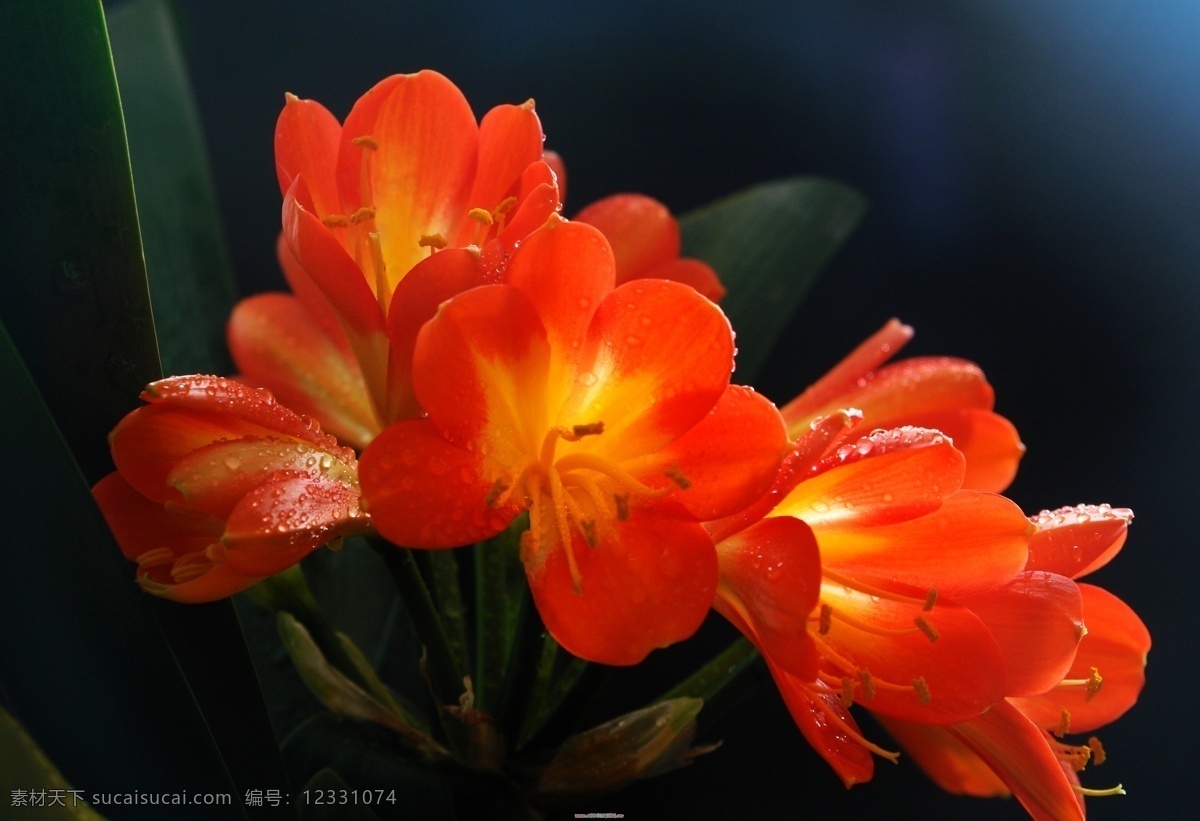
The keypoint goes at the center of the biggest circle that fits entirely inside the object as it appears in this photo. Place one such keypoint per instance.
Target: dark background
(1034, 172)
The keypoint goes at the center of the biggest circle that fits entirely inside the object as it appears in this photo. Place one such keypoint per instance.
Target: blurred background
(1034, 176)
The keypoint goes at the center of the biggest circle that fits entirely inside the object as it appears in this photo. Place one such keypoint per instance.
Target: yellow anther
(868, 684)
(922, 690)
(676, 476)
(1094, 682)
(504, 207)
(215, 552)
(335, 221)
(622, 501)
(435, 241)
(480, 215)
(826, 620)
(928, 629)
(362, 214)
(1117, 790)
(590, 429)
(1098, 754)
(366, 142)
(494, 492)
(930, 599)
(1064, 724)
(847, 694)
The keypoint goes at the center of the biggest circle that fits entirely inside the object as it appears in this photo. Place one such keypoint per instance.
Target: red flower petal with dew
(1074, 541)
(649, 585)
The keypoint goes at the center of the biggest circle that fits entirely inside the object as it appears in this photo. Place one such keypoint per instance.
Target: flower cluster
(487, 359)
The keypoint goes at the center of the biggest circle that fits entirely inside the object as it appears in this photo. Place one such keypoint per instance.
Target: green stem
(442, 571)
(521, 667)
(564, 713)
(491, 628)
(445, 677)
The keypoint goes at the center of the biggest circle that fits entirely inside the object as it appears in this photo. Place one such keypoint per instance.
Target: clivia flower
(1016, 747)
(219, 486)
(607, 414)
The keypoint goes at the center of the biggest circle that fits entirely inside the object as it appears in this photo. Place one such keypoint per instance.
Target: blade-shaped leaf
(82, 659)
(768, 244)
(191, 285)
(74, 296)
(27, 769)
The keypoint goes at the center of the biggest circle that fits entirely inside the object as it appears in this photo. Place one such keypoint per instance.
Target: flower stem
(445, 677)
(521, 668)
(720, 682)
(441, 569)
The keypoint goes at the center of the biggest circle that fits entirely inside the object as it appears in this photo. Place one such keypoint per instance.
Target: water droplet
(233, 462)
(587, 379)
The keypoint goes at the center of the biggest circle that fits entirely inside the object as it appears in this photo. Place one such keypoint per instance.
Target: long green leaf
(768, 244)
(27, 770)
(74, 293)
(191, 284)
(83, 662)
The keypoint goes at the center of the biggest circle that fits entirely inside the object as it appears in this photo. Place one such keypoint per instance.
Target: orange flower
(941, 393)
(1015, 747)
(851, 576)
(607, 414)
(366, 205)
(645, 241)
(218, 486)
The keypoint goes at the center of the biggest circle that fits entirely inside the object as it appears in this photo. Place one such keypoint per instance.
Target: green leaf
(720, 683)
(768, 243)
(26, 768)
(191, 284)
(75, 299)
(83, 663)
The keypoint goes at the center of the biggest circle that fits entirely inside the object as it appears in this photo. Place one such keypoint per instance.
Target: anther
(494, 492)
(928, 629)
(155, 558)
(1064, 724)
(215, 552)
(504, 207)
(480, 215)
(335, 221)
(366, 142)
(364, 213)
(622, 500)
(922, 690)
(590, 429)
(868, 684)
(847, 694)
(1098, 754)
(1117, 790)
(676, 476)
(826, 620)
(930, 599)
(1094, 681)
(435, 242)
(589, 532)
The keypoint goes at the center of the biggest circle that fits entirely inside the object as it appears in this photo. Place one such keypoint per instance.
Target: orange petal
(657, 359)
(692, 272)
(1019, 754)
(215, 478)
(481, 365)
(949, 762)
(418, 168)
(141, 525)
(279, 523)
(960, 664)
(730, 458)
(1074, 541)
(1116, 645)
(1037, 618)
(824, 723)
(565, 269)
(556, 164)
(843, 379)
(310, 295)
(649, 583)
(415, 301)
(342, 283)
(770, 582)
(641, 230)
(988, 441)
(423, 491)
(973, 542)
(510, 139)
(886, 477)
(277, 344)
(306, 145)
